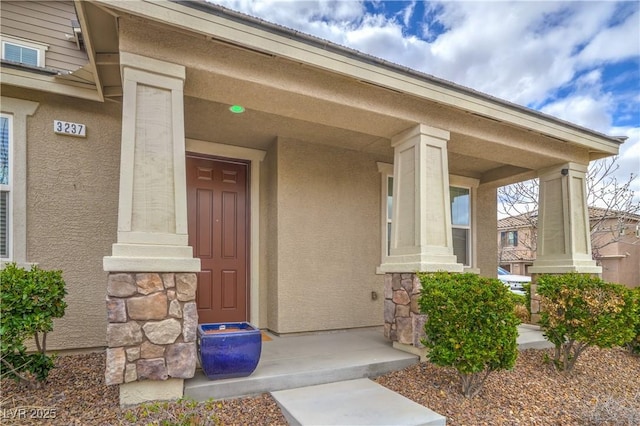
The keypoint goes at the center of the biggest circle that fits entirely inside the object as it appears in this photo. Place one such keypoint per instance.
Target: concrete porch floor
(289, 362)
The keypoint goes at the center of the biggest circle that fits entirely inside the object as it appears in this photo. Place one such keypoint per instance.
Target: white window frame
(472, 185)
(8, 188)
(18, 110)
(468, 227)
(386, 172)
(40, 48)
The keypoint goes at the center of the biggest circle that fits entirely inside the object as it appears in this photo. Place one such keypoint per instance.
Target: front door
(218, 215)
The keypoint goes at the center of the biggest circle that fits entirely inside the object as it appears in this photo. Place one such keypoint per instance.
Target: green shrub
(527, 295)
(634, 344)
(470, 326)
(580, 310)
(30, 301)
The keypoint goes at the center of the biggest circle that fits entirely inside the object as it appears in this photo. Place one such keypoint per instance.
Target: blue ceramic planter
(228, 350)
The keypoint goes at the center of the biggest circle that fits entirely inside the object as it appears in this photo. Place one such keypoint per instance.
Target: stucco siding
(269, 249)
(328, 238)
(72, 212)
(45, 22)
(486, 245)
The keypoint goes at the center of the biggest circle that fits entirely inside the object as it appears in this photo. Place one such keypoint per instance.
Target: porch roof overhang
(298, 86)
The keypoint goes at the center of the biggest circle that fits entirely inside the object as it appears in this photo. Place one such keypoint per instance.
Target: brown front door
(218, 217)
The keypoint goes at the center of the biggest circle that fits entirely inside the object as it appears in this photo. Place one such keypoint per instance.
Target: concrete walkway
(323, 378)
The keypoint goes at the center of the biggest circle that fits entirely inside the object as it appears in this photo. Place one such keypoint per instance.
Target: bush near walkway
(30, 300)
(470, 326)
(580, 310)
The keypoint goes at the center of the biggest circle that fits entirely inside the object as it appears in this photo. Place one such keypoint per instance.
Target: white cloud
(547, 55)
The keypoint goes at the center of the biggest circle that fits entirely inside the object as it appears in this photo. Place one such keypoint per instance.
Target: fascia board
(253, 37)
(88, 43)
(29, 80)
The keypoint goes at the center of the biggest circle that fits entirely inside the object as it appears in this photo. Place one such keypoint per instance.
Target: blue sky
(576, 60)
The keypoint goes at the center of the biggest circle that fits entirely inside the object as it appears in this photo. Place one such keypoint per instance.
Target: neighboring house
(615, 243)
(132, 168)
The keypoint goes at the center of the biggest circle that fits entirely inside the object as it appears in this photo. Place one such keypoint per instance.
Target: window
(22, 51)
(509, 238)
(5, 183)
(13, 179)
(461, 214)
(461, 223)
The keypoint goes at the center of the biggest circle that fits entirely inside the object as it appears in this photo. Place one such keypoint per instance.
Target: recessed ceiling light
(236, 109)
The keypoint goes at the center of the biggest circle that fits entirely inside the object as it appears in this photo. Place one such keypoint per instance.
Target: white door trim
(255, 156)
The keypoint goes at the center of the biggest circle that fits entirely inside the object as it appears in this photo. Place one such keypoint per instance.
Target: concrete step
(353, 402)
(288, 363)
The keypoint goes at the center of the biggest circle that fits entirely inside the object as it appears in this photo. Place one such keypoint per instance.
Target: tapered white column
(564, 238)
(421, 238)
(152, 211)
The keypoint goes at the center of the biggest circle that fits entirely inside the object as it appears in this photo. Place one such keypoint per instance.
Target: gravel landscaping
(605, 389)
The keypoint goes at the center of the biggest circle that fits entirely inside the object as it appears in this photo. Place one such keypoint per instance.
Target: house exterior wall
(45, 22)
(486, 246)
(72, 207)
(327, 240)
(620, 260)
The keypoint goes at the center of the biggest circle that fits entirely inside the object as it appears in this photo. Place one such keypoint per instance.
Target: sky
(575, 60)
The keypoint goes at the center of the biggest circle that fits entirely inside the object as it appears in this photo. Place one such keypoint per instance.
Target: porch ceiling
(285, 98)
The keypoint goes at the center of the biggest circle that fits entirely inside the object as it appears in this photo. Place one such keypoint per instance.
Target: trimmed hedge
(470, 326)
(580, 310)
(30, 301)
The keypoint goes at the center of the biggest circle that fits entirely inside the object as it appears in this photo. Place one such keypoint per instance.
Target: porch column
(564, 237)
(151, 309)
(421, 239)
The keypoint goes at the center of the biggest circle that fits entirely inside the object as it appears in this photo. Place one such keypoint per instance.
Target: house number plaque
(70, 129)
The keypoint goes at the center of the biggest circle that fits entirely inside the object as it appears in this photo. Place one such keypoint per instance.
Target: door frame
(254, 157)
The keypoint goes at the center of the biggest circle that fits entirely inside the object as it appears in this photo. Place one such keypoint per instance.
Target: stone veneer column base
(151, 334)
(403, 322)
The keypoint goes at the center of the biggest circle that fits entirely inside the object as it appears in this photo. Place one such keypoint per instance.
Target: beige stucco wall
(486, 221)
(72, 208)
(328, 239)
(621, 261)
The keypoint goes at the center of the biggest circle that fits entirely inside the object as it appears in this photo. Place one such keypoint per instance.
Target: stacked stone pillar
(151, 290)
(403, 322)
(152, 324)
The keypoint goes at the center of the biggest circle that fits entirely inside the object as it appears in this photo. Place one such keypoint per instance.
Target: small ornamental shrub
(580, 310)
(30, 300)
(471, 326)
(634, 344)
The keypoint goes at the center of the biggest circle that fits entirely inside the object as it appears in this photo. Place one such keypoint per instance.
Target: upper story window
(5, 183)
(24, 52)
(509, 238)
